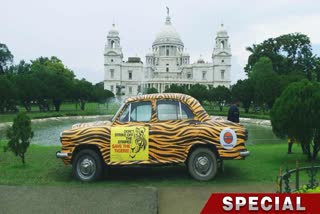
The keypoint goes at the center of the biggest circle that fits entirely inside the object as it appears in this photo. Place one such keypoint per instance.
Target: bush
(305, 189)
(296, 114)
(19, 135)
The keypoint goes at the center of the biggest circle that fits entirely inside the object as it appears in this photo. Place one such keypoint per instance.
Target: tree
(318, 68)
(101, 95)
(200, 92)
(6, 58)
(20, 77)
(56, 80)
(21, 68)
(27, 86)
(19, 135)
(288, 53)
(7, 93)
(220, 94)
(286, 80)
(174, 88)
(265, 82)
(296, 114)
(151, 91)
(253, 57)
(82, 92)
(243, 91)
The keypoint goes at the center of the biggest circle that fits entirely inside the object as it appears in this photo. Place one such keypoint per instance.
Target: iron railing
(291, 181)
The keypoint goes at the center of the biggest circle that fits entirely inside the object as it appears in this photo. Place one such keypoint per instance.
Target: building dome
(168, 35)
(200, 60)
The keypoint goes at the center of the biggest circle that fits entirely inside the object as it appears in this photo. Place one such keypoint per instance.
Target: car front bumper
(62, 154)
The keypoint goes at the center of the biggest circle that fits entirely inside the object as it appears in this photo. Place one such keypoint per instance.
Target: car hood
(91, 124)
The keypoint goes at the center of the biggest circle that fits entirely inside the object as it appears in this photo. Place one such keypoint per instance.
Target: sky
(75, 30)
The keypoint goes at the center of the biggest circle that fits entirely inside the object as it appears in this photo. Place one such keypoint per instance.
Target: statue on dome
(167, 11)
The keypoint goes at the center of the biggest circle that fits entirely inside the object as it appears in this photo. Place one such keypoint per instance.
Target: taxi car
(154, 129)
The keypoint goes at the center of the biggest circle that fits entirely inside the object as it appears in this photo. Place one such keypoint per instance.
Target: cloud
(261, 30)
(306, 24)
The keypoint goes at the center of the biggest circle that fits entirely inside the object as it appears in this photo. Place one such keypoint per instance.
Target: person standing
(233, 113)
(290, 143)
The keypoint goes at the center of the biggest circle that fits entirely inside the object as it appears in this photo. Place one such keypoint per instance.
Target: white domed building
(167, 64)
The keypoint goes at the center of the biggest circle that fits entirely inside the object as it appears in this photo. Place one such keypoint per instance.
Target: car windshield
(118, 112)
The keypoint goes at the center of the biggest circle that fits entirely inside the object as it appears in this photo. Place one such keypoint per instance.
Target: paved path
(47, 200)
(142, 200)
(185, 200)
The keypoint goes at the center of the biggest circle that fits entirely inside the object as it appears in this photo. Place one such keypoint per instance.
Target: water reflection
(48, 132)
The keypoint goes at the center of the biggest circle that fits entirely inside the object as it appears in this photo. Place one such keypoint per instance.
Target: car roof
(174, 96)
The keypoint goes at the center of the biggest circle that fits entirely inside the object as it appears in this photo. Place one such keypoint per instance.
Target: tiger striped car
(154, 129)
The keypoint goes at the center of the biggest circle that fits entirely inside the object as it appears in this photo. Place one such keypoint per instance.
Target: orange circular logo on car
(227, 137)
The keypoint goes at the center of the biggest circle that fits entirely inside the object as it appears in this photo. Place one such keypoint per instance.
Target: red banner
(262, 203)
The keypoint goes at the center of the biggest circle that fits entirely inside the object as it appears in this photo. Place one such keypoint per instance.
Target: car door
(173, 132)
(129, 142)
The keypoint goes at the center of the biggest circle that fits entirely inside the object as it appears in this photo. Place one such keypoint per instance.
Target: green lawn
(67, 109)
(42, 168)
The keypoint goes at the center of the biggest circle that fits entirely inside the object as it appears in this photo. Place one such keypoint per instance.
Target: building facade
(167, 64)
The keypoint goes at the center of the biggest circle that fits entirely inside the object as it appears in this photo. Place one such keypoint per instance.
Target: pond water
(261, 134)
(48, 132)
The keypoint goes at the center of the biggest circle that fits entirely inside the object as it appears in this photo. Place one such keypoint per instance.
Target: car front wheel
(87, 165)
(202, 164)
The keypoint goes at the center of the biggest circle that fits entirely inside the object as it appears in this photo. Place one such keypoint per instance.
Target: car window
(167, 110)
(141, 111)
(173, 110)
(137, 112)
(186, 113)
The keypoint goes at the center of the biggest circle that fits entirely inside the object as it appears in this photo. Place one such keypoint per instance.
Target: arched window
(112, 44)
(204, 75)
(167, 53)
(222, 44)
(222, 74)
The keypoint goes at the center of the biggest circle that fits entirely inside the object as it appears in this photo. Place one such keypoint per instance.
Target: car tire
(87, 165)
(202, 164)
